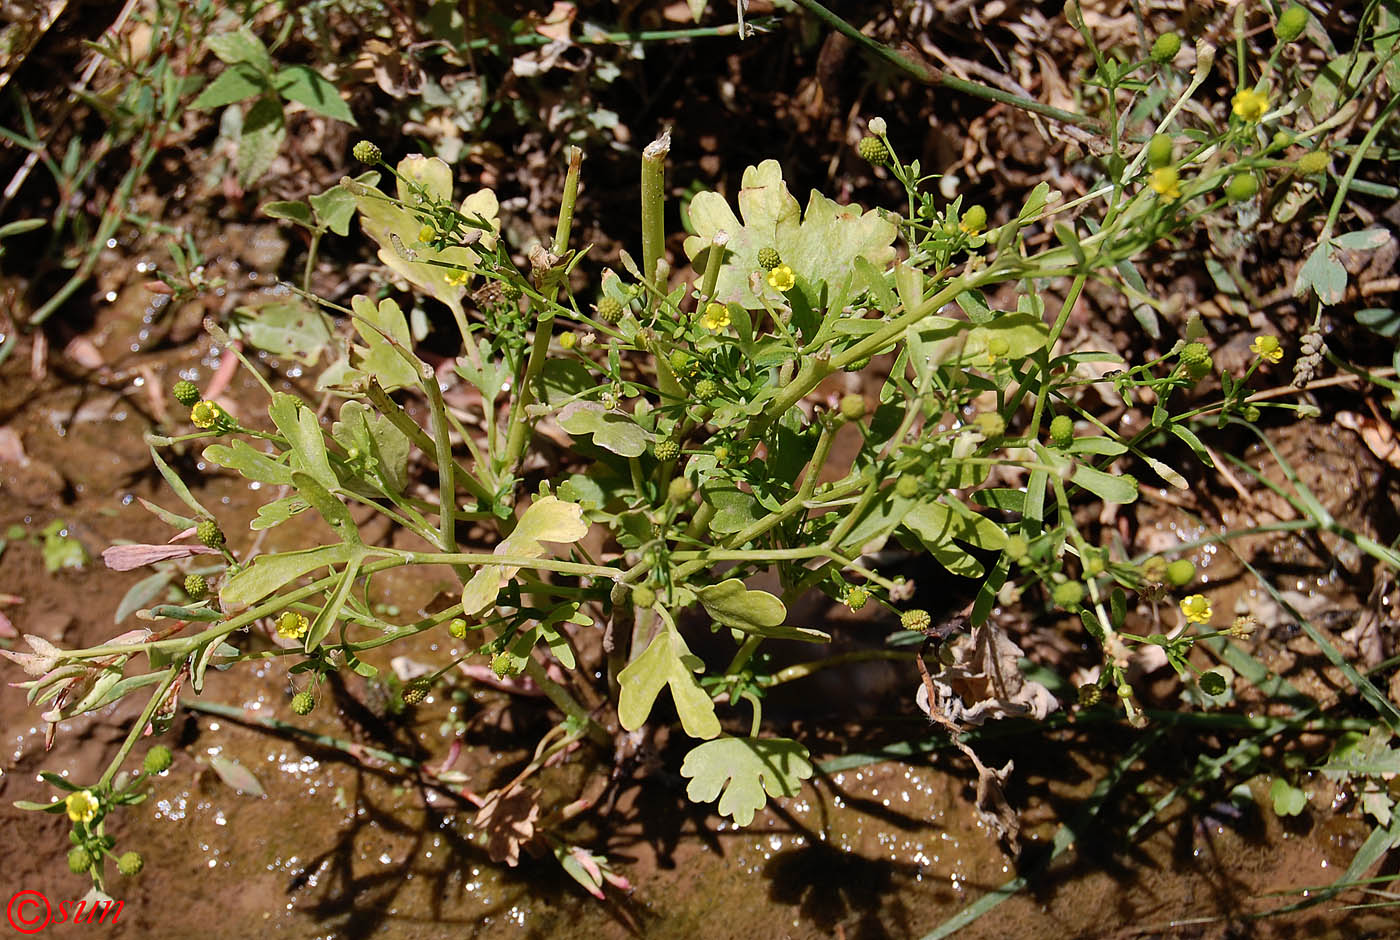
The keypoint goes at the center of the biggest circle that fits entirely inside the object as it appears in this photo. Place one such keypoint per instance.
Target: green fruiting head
(1062, 431)
(158, 760)
(1093, 562)
(367, 152)
(196, 586)
(973, 220)
(186, 393)
(130, 863)
(679, 490)
(1197, 360)
(1017, 546)
(506, 666)
(915, 619)
(768, 258)
(1154, 569)
(1291, 23)
(1242, 186)
(991, 424)
(609, 310)
(706, 391)
(1090, 695)
(873, 150)
(1314, 161)
(1159, 151)
(1165, 48)
(79, 860)
(209, 533)
(1068, 594)
(457, 628)
(857, 366)
(856, 597)
(415, 691)
(667, 449)
(852, 406)
(644, 596)
(907, 485)
(1180, 573)
(303, 703)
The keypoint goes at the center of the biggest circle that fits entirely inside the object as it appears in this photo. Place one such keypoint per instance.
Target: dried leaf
(985, 681)
(127, 557)
(509, 822)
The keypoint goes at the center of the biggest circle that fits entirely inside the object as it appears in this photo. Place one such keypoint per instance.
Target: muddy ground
(345, 846)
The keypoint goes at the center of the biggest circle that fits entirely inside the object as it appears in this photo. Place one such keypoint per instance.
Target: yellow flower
(1166, 183)
(781, 278)
(1267, 348)
(427, 235)
(82, 806)
(716, 316)
(1196, 608)
(1249, 105)
(458, 278)
(205, 414)
(292, 626)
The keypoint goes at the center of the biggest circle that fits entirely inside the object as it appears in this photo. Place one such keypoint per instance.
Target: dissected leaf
(549, 519)
(1324, 274)
(819, 246)
(747, 771)
(666, 662)
(611, 430)
(378, 357)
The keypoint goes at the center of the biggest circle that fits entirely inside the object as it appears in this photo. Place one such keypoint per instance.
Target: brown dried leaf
(509, 821)
(1379, 436)
(985, 681)
(127, 557)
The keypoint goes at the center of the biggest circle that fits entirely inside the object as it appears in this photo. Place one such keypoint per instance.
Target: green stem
(1355, 164)
(565, 702)
(519, 427)
(803, 670)
(654, 207)
(139, 728)
(566, 206)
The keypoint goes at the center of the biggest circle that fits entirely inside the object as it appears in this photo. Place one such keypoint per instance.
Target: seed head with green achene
(303, 703)
(1291, 23)
(1062, 431)
(196, 586)
(1166, 47)
(916, 619)
(644, 596)
(1242, 186)
(130, 863)
(209, 533)
(706, 391)
(856, 597)
(1068, 594)
(1159, 151)
(667, 450)
(873, 150)
(609, 310)
(79, 860)
(158, 760)
(186, 393)
(852, 406)
(417, 690)
(367, 151)
(768, 258)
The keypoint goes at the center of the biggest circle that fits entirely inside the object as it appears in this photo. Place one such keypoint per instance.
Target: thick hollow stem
(654, 206)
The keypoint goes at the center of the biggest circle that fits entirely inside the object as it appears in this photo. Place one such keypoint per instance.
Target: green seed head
(1291, 23)
(1062, 431)
(609, 310)
(1090, 695)
(679, 490)
(505, 665)
(303, 703)
(907, 486)
(1197, 359)
(209, 533)
(915, 620)
(1159, 151)
(1093, 562)
(457, 628)
(852, 406)
(1154, 569)
(706, 391)
(1165, 48)
(768, 258)
(186, 393)
(644, 596)
(974, 220)
(1242, 186)
(158, 760)
(79, 860)
(416, 691)
(196, 586)
(856, 597)
(130, 863)
(991, 424)
(1180, 572)
(857, 366)
(1315, 161)
(1068, 594)
(1017, 546)
(367, 152)
(873, 150)
(667, 450)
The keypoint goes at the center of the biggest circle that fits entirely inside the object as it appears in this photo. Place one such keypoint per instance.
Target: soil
(344, 845)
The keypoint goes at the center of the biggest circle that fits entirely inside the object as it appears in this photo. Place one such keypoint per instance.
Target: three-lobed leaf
(666, 662)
